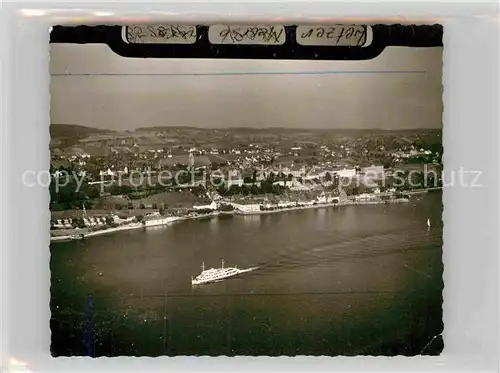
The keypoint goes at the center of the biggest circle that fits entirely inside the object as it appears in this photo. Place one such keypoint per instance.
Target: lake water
(331, 281)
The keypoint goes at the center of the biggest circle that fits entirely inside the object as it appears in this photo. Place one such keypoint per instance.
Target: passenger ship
(217, 274)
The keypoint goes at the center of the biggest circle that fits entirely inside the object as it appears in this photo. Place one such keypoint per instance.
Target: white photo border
(470, 140)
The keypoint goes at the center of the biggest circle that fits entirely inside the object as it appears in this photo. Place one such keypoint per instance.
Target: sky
(92, 86)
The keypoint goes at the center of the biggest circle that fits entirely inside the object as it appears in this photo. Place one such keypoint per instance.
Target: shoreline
(81, 236)
(323, 205)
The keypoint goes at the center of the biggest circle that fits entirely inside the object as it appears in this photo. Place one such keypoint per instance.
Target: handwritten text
(260, 34)
(338, 35)
(161, 34)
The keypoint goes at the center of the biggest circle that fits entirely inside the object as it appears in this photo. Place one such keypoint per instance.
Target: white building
(156, 220)
(346, 173)
(211, 206)
(364, 197)
(282, 204)
(305, 203)
(246, 207)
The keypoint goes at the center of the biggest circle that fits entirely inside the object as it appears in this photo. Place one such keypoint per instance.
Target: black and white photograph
(260, 206)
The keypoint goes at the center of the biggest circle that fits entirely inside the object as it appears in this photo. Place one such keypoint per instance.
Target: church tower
(191, 161)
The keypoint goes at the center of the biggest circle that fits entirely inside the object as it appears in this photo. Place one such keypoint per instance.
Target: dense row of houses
(253, 206)
(94, 221)
(302, 175)
(91, 221)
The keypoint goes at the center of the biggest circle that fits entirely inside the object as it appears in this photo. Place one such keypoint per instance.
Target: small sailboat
(428, 223)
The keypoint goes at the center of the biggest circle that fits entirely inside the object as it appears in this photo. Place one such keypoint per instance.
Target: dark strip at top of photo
(303, 42)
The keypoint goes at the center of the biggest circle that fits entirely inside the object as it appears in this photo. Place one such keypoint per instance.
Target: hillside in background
(244, 130)
(74, 131)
